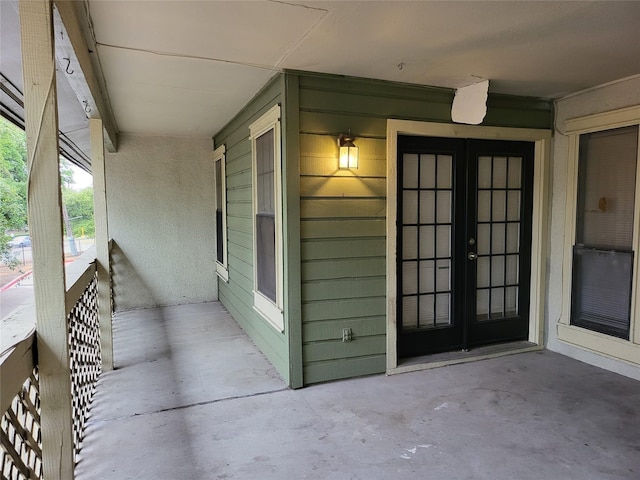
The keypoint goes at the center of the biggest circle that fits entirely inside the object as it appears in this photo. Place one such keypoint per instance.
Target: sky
(81, 179)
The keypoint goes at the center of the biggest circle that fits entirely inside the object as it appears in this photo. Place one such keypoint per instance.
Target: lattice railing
(84, 356)
(21, 439)
(20, 435)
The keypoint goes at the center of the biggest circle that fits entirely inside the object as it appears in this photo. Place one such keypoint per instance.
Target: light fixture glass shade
(348, 156)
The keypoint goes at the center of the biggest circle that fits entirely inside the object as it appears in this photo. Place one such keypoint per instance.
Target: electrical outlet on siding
(347, 335)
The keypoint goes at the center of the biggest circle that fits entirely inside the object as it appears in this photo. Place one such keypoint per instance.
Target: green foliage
(80, 210)
(66, 173)
(13, 186)
(13, 177)
(13, 191)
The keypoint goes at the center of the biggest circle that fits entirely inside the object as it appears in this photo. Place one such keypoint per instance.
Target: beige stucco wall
(160, 193)
(606, 98)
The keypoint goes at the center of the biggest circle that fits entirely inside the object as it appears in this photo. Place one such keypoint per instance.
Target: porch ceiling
(185, 68)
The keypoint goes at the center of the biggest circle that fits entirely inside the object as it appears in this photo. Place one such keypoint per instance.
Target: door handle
(472, 255)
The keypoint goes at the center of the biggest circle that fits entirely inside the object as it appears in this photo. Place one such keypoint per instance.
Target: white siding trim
(222, 268)
(620, 349)
(270, 311)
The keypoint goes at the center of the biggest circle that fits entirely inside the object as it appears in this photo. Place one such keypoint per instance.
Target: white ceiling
(187, 67)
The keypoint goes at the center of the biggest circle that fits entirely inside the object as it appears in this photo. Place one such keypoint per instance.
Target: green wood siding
(343, 212)
(237, 294)
(334, 220)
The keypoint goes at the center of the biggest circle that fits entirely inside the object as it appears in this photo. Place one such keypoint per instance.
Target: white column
(102, 241)
(45, 227)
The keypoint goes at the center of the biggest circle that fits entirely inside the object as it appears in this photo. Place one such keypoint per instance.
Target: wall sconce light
(348, 151)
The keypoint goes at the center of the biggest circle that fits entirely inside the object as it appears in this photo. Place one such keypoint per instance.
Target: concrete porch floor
(193, 398)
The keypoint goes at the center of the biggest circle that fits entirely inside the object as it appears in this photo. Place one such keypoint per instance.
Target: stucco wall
(607, 98)
(160, 193)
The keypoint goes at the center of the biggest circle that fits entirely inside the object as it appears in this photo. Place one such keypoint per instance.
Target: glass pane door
(426, 240)
(499, 195)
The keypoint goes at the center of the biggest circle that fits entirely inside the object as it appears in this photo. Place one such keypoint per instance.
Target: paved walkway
(193, 399)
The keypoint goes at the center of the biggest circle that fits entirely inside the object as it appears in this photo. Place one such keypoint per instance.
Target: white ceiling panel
(153, 94)
(526, 48)
(248, 32)
(187, 67)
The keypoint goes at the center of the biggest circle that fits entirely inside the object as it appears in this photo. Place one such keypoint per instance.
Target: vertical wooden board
(45, 224)
(291, 225)
(102, 242)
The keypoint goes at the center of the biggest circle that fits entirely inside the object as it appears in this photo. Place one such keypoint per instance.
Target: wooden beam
(16, 365)
(102, 242)
(45, 226)
(72, 53)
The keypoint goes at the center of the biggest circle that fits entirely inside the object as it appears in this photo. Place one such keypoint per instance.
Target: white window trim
(222, 268)
(613, 347)
(270, 311)
(539, 224)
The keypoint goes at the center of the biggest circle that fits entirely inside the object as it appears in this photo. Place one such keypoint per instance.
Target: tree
(80, 209)
(13, 185)
(13, 191)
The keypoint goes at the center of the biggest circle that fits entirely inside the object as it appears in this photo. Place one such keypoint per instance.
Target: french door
(464, 243)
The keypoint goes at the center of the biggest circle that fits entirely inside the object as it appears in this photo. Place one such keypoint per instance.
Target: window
(603, 251)
(601, 311)
(221, 213)
(267, 217)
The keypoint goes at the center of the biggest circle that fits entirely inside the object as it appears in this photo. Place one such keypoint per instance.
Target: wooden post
(102, 241)
(45, 227)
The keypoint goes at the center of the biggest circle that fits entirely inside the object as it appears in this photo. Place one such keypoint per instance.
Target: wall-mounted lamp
(348, 151)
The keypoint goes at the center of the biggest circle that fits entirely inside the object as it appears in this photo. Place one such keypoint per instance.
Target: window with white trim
(267, 217)
(222, 268)
(603, 235)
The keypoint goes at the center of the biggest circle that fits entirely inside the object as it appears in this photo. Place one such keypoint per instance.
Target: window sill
(269, 311)
(222, 272)
(600, 343)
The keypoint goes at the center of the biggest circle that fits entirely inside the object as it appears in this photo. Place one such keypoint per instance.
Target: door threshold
(436, 360)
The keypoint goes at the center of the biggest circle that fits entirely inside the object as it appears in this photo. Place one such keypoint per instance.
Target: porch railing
(20, 424)
(20, 440)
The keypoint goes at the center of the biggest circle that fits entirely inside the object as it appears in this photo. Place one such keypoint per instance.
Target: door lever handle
(472, 255)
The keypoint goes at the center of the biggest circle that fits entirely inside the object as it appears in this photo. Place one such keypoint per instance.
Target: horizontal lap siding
(343, 212)
(237, 294)
(342, 229)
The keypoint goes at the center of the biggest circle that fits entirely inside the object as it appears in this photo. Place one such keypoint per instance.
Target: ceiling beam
(72, 54)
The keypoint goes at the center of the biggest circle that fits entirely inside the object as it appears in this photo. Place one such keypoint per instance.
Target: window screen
(265, 215)
(603, 253)
(219, 213)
